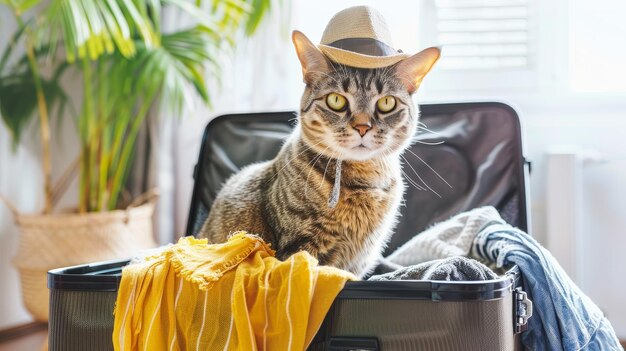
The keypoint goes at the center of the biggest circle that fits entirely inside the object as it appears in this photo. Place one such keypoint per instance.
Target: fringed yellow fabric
(231, 296)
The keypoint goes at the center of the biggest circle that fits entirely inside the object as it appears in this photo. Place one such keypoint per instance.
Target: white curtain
(258, 76)
(20, 181)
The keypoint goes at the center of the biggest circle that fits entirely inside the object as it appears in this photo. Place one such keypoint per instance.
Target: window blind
(483, 34)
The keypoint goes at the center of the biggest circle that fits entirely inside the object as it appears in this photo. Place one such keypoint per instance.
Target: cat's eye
(386, 104)
(336, 102)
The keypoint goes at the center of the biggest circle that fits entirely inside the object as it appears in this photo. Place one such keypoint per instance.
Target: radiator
(564, 205)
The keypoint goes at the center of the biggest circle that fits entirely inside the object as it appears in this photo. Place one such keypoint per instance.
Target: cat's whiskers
(420, 178)
(412, 182)
(422, 127)
(416, 174)
(427, 165)
(434, 143)
(295, 116)
(409, 179)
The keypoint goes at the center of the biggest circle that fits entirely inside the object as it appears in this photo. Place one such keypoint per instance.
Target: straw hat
(359, 37)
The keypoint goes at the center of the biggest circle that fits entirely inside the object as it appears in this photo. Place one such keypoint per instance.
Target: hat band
(365, 46)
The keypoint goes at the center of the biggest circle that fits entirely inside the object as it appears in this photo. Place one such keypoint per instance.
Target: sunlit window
(597, 46)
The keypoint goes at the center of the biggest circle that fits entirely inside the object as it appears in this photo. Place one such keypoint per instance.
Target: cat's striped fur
(286, 200)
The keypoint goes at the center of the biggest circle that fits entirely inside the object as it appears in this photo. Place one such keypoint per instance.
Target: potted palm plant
(127, 63)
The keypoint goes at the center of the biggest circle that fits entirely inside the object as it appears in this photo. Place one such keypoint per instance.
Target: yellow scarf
(231, 296)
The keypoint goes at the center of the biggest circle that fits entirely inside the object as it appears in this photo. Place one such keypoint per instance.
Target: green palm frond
(18, 103)
(235, 14)
(89, 28)
(166, 71)
(261, 7)
(187, 53)
(179, 62)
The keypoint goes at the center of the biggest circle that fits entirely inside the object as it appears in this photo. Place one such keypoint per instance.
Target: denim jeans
(564, 318)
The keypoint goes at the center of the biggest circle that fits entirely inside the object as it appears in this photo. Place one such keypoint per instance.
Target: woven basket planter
(61, 240)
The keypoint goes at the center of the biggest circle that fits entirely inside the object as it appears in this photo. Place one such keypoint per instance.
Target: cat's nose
(361, 123)
(362, 128)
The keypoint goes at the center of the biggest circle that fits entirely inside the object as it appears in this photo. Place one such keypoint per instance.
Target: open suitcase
(475, 147)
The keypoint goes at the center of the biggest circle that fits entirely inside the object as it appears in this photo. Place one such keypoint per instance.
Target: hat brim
(353, 59)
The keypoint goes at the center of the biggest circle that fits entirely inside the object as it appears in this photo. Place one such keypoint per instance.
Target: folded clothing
(449, 238)
(564, 318)
(450, 269)
(230, 296)
(440, 252)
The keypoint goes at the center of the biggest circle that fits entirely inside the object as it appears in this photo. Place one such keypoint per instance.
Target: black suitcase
(466, 155)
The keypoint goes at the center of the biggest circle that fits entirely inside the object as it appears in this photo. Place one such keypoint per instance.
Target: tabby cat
(336, 185)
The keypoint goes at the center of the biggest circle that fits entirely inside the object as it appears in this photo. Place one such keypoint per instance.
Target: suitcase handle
(343, 343)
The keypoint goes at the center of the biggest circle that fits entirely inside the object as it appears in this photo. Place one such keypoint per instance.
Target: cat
(363, 117)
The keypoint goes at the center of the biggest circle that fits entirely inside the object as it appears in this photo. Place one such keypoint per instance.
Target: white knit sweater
(452, 237)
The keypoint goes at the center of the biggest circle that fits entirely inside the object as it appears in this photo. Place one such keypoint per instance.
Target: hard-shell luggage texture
(465, 155)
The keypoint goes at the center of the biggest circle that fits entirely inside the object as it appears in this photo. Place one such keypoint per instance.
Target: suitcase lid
(466, 155)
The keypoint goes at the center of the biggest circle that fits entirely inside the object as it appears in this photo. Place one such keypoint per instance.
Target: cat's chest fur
(362, 223)
(352, 234)
(362, 211)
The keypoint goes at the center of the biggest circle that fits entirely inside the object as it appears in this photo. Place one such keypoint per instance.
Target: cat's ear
(413, 69)
(313, 62)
